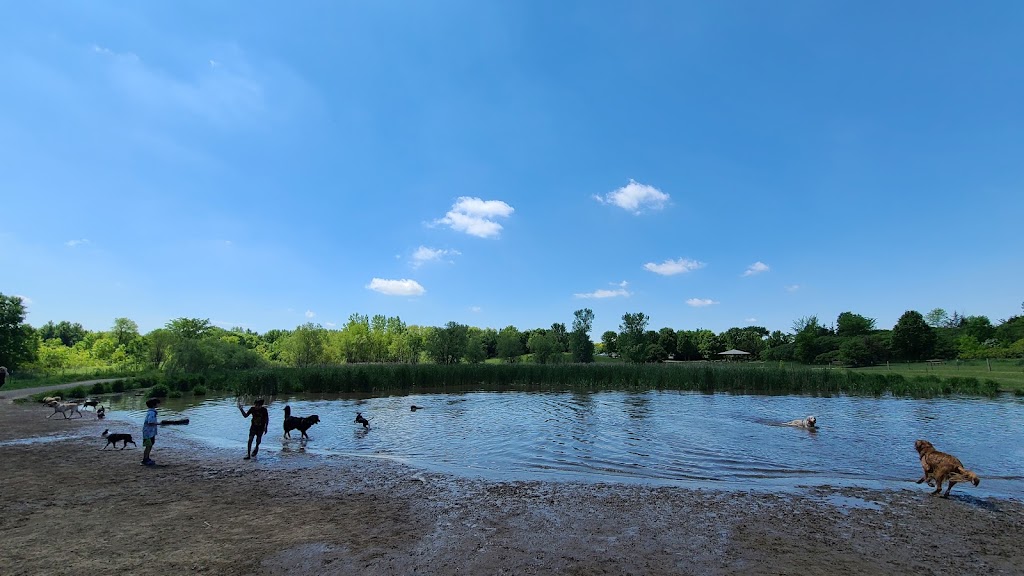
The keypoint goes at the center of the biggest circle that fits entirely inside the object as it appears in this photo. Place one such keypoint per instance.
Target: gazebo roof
(734, 352)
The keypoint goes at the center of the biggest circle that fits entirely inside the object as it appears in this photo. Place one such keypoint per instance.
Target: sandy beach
(69, 508)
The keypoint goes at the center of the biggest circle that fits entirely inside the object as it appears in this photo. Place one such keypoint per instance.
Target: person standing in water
(258, 427)
(149, 428)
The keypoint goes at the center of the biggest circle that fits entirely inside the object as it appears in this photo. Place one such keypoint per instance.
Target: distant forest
(193, 345)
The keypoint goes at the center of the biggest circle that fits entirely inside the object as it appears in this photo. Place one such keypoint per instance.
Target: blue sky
(711, 164)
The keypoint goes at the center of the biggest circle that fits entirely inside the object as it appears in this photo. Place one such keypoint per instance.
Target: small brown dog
(940, 467)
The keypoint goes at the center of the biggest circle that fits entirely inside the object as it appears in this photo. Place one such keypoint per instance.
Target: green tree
(476, 348)
(448, 345)
(686, 345)
(510, 344)
(561, 336)
(631, 343)
(543, 346)
(937, 318)
(580, 345)
(18, 343)
(912, 338)
(850, 324)
(979, 327)
(124, 331)
(668, 341)
(609, 339)
(189, 328)
(305, 346)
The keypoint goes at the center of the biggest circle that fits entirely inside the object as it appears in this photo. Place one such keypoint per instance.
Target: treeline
(195, 346)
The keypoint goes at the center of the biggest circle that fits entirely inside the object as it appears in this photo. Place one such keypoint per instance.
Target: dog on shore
(363, 421)
(92, 403)
(101, 412)
(809, 422)
(300, 423)
(113, 439)
(64, 408)
(49, 399)
(941, 467)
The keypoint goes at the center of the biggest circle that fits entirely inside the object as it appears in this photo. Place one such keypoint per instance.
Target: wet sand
(68, 508)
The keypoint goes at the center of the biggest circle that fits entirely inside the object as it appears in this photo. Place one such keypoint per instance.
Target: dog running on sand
(939, 466)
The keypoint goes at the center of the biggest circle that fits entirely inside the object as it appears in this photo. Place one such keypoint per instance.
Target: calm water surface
(673, 438)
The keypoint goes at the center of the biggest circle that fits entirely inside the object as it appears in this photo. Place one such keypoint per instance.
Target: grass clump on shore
(704, 377)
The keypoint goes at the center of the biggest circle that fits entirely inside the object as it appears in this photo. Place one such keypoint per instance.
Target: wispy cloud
(605, 293)
(423, 254)
(219, 91)
(76, 243)
(476, 217)
(673, 267)
(792, 288)
(701, 302)
(756, 268)
(310, 314)
(402, 287)
(750, 320)
(475, 309)
(635, 197)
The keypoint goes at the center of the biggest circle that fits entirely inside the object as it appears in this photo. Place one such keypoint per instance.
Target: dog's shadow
(975, 502)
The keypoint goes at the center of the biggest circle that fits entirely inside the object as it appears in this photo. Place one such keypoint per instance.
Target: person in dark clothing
(258, 427)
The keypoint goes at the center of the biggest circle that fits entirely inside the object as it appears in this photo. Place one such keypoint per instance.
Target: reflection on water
(720, 440)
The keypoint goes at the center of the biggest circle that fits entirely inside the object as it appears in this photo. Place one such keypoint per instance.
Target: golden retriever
(940, 467)
(808, 422)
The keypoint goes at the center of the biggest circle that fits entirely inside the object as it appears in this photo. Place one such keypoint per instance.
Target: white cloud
(602, 293)
(756, 268)
(76, 243)
(673, 267)
(750, 320)
(635, 197)
(475, 309)
(700, 302)
(605, 293)
(476, 217)
(422, 255)
(792, 288)
(396, 287)
(310, 314)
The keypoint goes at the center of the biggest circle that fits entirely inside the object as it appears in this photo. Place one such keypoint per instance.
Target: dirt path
(6, 394)
(208, 511)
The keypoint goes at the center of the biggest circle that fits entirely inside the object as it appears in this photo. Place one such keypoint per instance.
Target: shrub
(77, 392)
(98, 388)
(158, 391)
(174, 394)
(199, 390)
(117, 386)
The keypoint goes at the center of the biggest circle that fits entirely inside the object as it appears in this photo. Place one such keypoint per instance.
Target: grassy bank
(1008, 374)
(705, 377)
(30, 379)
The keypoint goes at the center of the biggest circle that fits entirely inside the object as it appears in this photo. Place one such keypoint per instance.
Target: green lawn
(1008, 373)
(28, 379)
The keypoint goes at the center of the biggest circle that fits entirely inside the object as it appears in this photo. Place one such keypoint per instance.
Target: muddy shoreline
(208, 511)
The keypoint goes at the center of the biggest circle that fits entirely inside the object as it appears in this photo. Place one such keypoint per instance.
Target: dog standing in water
(939, 466)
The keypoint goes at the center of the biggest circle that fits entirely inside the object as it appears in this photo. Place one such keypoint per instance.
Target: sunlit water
(673, 438)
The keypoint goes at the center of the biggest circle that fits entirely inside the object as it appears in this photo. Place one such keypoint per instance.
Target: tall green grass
(704, 377)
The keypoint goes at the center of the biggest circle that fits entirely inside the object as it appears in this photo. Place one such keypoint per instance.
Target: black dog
(363, 421)
(93, 403)
(113, 439)
(300, 423)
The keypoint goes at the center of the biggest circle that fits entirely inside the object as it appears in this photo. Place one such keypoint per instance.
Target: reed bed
(703, 377)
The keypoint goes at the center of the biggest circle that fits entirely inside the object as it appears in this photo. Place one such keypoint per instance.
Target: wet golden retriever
(808, 422)
(941, 467)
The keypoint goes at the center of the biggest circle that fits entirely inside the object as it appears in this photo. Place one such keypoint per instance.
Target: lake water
(672, 438)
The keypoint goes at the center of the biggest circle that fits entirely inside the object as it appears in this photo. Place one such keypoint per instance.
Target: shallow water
(672, 438)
